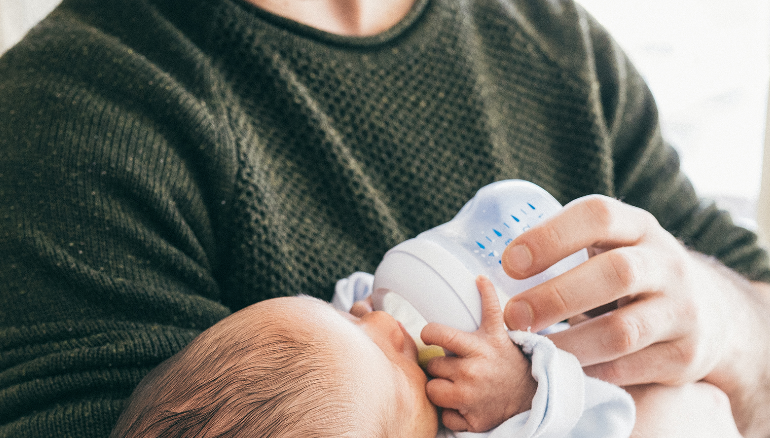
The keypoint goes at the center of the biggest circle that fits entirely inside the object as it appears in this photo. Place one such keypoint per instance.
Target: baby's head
(287, 367)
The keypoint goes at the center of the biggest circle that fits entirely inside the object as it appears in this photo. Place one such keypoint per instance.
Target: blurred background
(706, 61)
(18, 16)
(708, 65)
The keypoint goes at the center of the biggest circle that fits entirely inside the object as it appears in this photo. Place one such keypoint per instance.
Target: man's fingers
(620, 332)
(601, 280)
(654, 364)
(594, 220)
(451, 339)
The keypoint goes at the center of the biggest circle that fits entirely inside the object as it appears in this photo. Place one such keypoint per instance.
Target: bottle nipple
(427, 352)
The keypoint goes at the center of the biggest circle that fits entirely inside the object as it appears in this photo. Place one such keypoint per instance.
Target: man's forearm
(745, 375)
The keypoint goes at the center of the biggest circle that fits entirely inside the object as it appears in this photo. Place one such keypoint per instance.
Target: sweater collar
(311, 33)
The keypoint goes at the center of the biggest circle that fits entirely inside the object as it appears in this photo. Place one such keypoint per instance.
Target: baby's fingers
(491, 312)
(457, 341)
(445, 367)
(445, 393)
(454, 421)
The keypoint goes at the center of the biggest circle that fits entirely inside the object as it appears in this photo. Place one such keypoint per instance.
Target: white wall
(707, 63)
(763, 203)
(18, 16)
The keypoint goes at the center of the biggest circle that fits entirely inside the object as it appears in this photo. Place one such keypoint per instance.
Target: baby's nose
(379, 318)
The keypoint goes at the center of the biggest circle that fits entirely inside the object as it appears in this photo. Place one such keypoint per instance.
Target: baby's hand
(489, 381)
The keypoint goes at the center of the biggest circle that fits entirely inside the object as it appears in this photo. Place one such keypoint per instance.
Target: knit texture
(165, 163)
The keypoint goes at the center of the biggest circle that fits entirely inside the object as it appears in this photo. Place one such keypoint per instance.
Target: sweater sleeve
(647, 171)
(107, 249)
(642, 168)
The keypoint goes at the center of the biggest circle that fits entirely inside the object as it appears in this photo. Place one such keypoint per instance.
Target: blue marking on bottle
(499, 234)
(492, 254)
(515, 218)
(506, 225)
(531, 206)
(480, 245)
(489, 239)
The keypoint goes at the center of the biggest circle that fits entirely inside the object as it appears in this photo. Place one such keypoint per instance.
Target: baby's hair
(251, 382)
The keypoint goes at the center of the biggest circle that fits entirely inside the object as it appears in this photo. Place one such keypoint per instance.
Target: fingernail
(517, 258)
(519, 315)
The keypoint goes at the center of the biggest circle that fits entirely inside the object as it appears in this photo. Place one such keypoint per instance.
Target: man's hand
(676, 317)
(489, 380)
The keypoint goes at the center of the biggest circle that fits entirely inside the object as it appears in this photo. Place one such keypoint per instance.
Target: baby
(297, 367)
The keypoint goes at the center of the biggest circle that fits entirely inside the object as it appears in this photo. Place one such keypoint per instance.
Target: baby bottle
(432, 277)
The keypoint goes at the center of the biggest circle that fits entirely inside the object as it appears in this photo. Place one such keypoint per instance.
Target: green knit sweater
(165, 163)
